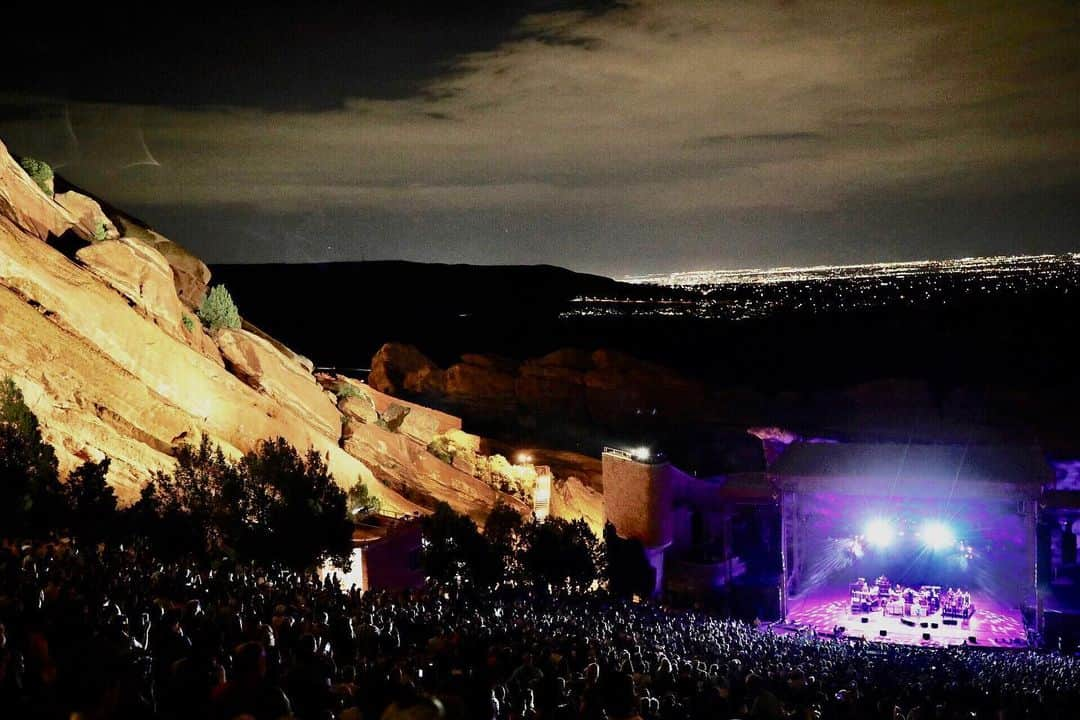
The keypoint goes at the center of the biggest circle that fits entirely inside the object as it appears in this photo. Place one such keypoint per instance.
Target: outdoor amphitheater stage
(992, 625)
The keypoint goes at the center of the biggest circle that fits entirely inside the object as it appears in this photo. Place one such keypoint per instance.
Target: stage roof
(939, 468)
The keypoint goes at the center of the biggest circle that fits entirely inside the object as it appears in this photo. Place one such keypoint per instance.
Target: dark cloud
(661, 134)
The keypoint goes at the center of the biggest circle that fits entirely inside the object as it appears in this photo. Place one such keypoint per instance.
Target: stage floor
(992, 625)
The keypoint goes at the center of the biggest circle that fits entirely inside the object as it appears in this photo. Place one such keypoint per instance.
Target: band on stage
(918, 601)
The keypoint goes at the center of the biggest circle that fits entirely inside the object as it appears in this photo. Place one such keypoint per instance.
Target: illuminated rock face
(91, 224)
(25, 205)
(260, 365)
(106, 378)
(142, 275)
(111, 358)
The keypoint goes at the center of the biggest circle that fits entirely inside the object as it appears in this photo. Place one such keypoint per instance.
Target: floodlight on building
(641, 453)
(523, 458)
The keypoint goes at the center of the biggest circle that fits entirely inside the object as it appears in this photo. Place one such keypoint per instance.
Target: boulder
(393, 417)
(480, 387)
(420, 423)
(570, 358)
(549, 389)
(141, 274)
(91, 223)
(259, 364)
(358, 407)
(25, 205)
(296, 357)
(190, 274)
(398, 368)
(403, 465)
(490, 362)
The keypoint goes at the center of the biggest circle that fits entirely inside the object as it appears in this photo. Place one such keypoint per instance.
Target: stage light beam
(936, 535)
(879, 533)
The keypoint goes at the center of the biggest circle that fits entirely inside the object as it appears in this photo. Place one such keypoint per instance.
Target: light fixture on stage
(936, 535)
(879, 533)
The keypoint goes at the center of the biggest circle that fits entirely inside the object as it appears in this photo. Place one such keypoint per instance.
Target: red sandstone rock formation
(603, 387)
(110, 356)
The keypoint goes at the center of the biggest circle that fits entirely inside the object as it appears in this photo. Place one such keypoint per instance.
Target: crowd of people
(90, 633)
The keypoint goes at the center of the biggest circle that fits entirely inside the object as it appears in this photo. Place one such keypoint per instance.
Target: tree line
(276, 505)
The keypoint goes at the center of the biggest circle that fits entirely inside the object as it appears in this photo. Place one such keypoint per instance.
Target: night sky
(607, 137)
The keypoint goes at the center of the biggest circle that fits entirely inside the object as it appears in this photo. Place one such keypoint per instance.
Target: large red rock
(548, 389)
(25, 205)
(91, 223)
(369, 405)
(406, 466)
(483, 387)
(190, 274)
(604, 387)
(104, 380)
(398, 368)
(142, 275)
(258, 363)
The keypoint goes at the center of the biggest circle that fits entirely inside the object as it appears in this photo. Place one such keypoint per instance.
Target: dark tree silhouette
(31, 500)
(562, 553)
(503, 531)
(628, 571)
(453, 548)
(274, 505)
(202, 503)
(91, 502)
(296, 513)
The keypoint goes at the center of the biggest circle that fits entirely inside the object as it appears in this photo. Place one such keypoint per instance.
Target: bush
(189, 324)
(40, 173)
(218, 310)
(274, 505)
(348, 390)
(361, 502)
(91, 501)
(442, 448)
(100, 231)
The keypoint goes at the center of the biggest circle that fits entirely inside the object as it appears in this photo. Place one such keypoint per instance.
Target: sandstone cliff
(103, 341)
(600, 388)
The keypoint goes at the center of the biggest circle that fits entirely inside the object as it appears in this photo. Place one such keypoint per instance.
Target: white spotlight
(936, 535)
(879, 533)
(641, 453)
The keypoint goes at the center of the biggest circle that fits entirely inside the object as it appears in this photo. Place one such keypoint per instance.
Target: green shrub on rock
(189, 324)
(346, 390)
(218, 310)
(39, 172)
(361, 503)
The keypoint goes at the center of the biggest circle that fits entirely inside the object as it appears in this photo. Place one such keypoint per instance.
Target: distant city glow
(879, 533)
(936, 535)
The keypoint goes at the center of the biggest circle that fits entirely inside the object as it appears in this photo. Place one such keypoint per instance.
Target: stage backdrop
(971, 544)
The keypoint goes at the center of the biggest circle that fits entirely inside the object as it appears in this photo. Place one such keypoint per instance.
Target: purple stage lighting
(879, 533)
(936, 535)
